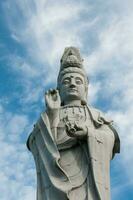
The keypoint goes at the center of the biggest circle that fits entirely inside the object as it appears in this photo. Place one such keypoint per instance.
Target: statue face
(72, 87)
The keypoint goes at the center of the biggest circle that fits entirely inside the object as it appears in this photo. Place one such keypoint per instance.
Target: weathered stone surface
(72, 143)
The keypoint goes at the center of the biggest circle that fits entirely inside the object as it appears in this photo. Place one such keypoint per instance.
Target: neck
(73, 102)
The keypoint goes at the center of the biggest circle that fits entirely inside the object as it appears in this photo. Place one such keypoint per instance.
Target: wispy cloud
(103, 31)
(46, 27)
(16, 171)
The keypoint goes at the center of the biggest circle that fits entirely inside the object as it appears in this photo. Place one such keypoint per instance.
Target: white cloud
(48, 27)
(44, 28)
(17, 176)
(93, 92)
(12, 125)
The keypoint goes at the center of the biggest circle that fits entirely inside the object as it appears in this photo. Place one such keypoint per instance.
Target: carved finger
(55, 97)
(67, 127)
(50, 93)
(76, 124)
(67, 124)
(46, 99)
(57, 93)
(54, 91)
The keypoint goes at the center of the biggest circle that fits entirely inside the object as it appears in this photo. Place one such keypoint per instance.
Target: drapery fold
(102, 141)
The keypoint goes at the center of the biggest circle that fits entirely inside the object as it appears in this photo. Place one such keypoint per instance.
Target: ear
(84, 100)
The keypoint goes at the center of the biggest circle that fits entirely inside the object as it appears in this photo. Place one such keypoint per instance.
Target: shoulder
(99, 117)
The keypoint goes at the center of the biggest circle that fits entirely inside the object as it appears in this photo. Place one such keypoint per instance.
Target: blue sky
(33, 35)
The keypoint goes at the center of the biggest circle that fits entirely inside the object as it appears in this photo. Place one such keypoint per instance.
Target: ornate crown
(71, 58)
(71, 61)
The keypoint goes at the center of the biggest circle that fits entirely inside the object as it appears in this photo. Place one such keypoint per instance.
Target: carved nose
(72, 85)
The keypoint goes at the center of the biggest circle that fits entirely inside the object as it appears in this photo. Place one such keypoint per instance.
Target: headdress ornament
(71, 61)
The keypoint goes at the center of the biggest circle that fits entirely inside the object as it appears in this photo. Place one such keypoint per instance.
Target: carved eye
(79, 81)
(66, 81)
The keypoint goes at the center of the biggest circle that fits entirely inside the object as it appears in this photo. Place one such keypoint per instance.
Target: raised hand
(52, 99)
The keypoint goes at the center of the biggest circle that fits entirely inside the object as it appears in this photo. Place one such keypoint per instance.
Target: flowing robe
(52, 180)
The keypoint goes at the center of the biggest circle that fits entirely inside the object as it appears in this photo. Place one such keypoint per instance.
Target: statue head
(72, 80)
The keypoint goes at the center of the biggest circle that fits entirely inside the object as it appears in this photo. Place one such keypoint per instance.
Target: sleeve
(116, 148)
(109, 122)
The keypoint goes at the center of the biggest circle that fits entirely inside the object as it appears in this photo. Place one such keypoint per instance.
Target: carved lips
(72, 90)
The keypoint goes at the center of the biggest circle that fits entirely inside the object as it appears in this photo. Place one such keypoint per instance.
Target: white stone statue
(72, 143)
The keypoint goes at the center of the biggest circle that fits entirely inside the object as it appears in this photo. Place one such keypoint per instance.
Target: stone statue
(72, 143)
